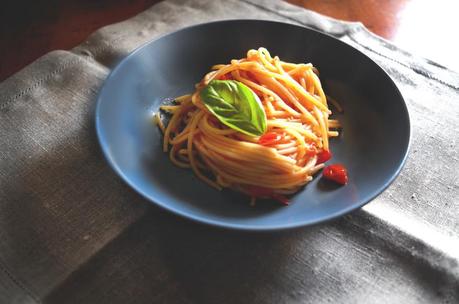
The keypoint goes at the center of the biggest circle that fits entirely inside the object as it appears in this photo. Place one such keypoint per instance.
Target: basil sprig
(235, 105)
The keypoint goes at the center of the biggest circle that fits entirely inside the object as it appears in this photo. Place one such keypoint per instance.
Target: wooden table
(28, 31)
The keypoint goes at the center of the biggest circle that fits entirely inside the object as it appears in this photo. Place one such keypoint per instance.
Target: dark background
(29, 29)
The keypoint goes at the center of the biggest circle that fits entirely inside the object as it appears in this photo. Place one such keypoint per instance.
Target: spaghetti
(273, 165)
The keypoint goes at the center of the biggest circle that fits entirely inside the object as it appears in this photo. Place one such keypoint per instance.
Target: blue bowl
(373, 144)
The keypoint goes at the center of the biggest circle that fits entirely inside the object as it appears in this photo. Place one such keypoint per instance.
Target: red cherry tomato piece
(336, 173)
(226, 77)
(281, 198)
(269, 138)
(323, 156)
(261, 192)
(311, 152)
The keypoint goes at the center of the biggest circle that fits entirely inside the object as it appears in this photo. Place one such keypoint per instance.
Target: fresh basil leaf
(235, 105)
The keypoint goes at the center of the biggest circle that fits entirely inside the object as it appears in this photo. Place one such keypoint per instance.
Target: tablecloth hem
(10, 82)
(13, 279)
